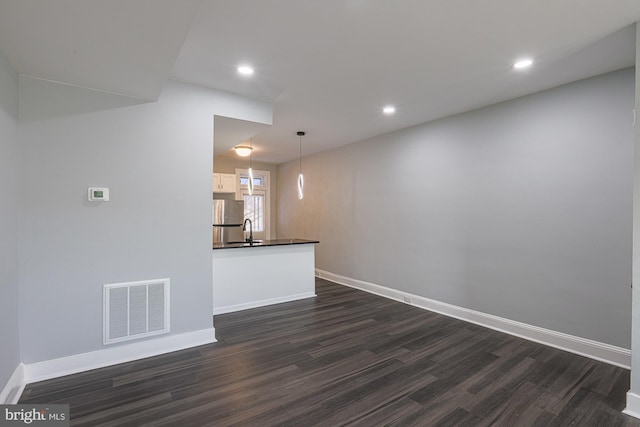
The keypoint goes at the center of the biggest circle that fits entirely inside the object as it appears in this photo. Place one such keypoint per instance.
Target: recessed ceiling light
(245, 70)
(523, 63)
(389, 109)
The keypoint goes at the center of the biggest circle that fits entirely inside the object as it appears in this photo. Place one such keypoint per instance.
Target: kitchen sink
(242, 242)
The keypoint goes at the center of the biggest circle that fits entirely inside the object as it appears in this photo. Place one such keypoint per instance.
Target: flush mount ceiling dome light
(523, 63)
(243, 150)
(245, 70)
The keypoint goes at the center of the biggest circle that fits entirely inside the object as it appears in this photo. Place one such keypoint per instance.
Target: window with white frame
(254, 210)
(257, 180)
(256, 205)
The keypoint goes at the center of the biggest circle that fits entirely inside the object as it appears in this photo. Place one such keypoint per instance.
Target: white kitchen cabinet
(224, 183)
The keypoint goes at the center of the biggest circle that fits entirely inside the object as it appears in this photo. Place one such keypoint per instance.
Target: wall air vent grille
(135, 310)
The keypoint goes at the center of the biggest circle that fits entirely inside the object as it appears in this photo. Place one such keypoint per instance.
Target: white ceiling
(328, 66)
(229, 132)
(121, 46)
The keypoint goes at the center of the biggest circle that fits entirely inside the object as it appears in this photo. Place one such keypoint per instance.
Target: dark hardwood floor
(348, 358)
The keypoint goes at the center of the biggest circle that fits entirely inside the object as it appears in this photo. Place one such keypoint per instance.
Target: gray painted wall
(222, 164)
(9, 175)
(522, 210)
(156, 158)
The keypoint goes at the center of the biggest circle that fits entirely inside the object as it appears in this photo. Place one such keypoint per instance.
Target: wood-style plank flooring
(348, 358)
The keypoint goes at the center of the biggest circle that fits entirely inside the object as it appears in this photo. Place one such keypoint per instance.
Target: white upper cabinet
(224, 183)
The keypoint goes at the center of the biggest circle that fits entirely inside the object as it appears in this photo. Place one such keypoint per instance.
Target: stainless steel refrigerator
(228, 216)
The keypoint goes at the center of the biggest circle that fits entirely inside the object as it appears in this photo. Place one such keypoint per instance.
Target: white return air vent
(135, 310)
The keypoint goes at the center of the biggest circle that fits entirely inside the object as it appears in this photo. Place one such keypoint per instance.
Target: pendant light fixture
(250, 185)
(300, 176)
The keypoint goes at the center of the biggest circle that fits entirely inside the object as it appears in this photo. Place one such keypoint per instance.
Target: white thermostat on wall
(97, 194)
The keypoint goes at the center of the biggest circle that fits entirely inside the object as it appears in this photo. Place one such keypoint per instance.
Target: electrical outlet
(408, 299)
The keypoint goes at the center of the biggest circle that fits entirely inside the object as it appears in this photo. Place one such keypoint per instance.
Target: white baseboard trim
(633, 405)
(613, 355)
(261, 303)
(12, 391)
(108, 356)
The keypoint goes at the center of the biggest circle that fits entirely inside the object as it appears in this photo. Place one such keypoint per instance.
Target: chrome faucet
(244, 228)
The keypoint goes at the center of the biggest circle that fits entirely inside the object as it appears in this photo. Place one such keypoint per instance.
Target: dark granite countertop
(263, 243)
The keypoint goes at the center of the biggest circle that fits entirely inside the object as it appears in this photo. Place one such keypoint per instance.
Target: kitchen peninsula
(263, 273)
